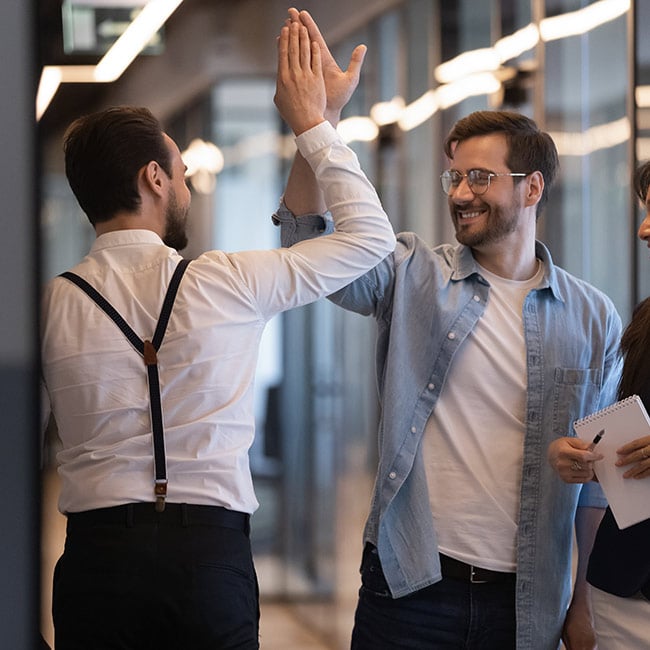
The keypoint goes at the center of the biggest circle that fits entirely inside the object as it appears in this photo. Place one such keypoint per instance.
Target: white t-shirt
(473, 443)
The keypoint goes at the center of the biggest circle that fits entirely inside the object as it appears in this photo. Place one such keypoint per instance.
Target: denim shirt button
(431, 386)
(392, 475)
(414, 430)
(477, 298)
(451, 335)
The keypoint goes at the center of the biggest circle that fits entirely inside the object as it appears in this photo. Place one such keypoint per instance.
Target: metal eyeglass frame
(451, 179)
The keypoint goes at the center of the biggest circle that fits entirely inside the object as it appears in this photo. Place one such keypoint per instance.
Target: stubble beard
(497, 227)
(175, 222)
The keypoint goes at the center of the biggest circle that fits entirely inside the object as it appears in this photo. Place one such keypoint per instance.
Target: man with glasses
(486, 352)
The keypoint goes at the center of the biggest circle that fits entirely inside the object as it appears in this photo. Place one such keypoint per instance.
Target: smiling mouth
(469, 214)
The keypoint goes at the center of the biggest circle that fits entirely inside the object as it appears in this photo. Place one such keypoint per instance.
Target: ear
(153, 178)
(534, 184)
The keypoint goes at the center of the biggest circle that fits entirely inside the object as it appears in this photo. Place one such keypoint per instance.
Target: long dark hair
(635, 347)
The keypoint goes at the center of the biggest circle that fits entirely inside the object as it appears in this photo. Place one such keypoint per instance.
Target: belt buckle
(472, 576)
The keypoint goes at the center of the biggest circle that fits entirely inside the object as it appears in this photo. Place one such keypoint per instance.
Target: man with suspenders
(149, 364)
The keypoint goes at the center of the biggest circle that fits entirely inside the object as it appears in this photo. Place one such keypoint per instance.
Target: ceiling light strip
(136, 36)
(134, 39)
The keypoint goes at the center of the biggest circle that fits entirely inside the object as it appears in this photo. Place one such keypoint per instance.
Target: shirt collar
(125, 238)
(465, 265)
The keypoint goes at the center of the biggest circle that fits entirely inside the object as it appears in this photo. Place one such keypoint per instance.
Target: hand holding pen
(573, 458)
(596, 440)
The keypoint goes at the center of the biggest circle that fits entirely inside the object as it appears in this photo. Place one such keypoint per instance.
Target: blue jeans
(450, 614)
(133, 579)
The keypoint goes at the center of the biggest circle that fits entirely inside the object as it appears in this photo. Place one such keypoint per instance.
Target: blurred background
(206, 68)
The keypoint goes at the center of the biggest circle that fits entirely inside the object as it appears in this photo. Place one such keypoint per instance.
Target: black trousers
(134, 579)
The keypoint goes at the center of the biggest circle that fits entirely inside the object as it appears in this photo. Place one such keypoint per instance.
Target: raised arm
(284, 278)
(303, 195)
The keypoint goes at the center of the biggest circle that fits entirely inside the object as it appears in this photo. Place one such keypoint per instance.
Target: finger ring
(576, 466)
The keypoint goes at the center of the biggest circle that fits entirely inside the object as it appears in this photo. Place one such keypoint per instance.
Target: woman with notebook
(619, 565)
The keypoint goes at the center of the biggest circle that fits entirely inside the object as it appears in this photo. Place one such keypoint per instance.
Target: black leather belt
(174, 514)
(457, 570)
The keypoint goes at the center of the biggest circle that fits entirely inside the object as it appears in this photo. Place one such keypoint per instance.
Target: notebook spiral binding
(608, 409)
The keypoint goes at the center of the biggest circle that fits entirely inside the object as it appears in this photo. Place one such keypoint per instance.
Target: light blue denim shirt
(426, 301)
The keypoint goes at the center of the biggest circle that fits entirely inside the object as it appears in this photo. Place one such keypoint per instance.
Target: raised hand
(339, 84)
(300, 87)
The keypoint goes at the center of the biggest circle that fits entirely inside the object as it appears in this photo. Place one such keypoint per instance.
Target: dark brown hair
(642, 180)
(635, 347)
(529, 148)
(104, 152)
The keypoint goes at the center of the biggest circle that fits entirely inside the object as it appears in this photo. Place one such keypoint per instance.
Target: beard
(500, 223)
(175, 221)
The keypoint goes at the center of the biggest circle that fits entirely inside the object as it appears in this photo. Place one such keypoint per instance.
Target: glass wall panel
(585, 91)
(355, 335)
(642, 95)
(425, 210)
(390, 59)
(245, 127)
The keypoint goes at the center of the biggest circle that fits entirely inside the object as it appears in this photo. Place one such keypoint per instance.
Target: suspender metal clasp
(160, 490)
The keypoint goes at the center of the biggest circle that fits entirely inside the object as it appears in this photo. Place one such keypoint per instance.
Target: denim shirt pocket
(576, 392)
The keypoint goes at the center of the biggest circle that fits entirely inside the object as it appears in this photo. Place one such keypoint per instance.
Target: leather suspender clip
(160, 490)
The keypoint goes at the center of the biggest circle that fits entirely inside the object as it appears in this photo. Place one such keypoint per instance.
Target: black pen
(596, 440)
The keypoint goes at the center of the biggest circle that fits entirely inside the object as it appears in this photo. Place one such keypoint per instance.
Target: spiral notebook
(620, 423)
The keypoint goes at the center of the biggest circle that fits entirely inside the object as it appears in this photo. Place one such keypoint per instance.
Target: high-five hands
(339, 84)
(300, 86)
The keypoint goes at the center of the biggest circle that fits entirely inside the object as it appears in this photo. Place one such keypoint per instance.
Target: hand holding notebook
(617, 425)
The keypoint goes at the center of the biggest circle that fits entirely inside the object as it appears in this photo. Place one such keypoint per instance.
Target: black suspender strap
(148, 350)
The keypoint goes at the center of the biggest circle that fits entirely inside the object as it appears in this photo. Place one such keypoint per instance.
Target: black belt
(174, 514)
(457, 570)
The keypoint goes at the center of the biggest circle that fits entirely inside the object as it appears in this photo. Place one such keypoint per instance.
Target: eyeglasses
(477, 179)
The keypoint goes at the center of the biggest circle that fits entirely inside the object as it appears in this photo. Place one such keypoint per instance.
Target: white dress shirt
(97, 383)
